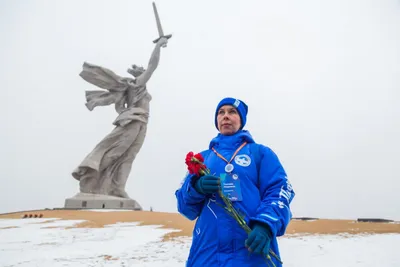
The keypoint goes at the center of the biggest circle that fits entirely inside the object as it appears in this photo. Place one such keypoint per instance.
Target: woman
(253, 177)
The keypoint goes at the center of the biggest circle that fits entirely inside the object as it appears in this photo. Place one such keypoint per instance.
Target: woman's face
(228, 120)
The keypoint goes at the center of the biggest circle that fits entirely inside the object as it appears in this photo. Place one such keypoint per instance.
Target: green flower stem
(240, 219)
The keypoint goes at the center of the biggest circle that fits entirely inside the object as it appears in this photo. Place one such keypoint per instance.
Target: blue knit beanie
(240, 106)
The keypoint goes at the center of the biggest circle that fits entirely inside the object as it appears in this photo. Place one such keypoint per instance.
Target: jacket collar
(231, 141)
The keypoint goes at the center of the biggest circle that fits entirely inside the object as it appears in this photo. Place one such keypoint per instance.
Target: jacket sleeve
(190, 202)
(276, 194)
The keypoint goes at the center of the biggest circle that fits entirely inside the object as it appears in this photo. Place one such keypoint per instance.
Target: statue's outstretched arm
(153, 63)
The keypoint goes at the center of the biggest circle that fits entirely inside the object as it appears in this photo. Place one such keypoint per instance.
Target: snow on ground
(35, 242)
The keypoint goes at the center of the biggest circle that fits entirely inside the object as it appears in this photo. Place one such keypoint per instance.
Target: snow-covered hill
(54, 242)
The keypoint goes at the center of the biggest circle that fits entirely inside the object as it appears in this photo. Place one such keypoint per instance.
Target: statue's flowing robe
(113, 83)
(106, 168)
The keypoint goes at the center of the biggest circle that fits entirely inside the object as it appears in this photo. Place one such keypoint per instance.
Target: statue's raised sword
(160, 30)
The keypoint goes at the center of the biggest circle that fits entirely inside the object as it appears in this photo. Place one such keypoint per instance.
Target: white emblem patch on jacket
(243, 160)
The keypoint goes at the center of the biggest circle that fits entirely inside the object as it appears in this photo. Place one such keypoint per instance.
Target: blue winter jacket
(217, 238)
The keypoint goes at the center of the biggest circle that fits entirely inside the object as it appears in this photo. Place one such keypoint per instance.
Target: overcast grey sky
(321, 78)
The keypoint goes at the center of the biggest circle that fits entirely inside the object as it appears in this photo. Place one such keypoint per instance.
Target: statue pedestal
(94, 201)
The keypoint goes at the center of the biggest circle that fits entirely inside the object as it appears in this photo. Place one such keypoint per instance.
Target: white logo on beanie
(237, 103)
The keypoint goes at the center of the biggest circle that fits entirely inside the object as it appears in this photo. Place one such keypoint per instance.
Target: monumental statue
(103, 173)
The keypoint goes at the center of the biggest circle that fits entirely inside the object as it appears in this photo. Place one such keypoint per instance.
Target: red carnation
(195, 164)
(199, 157)
(189, 157)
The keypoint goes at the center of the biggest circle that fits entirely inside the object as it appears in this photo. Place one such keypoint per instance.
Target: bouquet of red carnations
(195, 165)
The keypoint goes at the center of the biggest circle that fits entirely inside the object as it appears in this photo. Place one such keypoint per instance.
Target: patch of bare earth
(109, 258)
(93, 219)
(8, 227)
